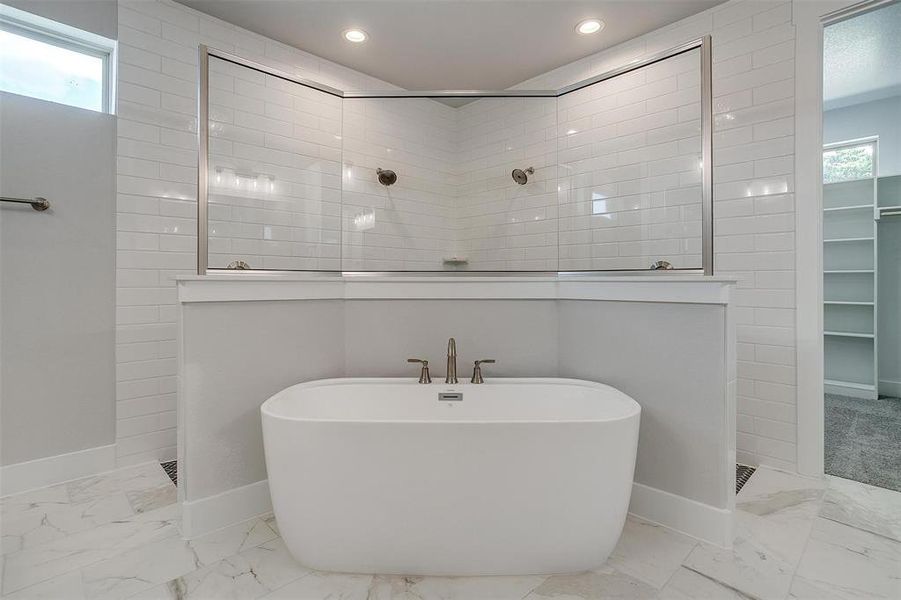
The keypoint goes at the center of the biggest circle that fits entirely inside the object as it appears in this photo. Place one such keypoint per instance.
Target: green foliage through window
(848, 162)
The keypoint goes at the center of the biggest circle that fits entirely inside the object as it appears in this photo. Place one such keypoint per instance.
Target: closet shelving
(849, 284)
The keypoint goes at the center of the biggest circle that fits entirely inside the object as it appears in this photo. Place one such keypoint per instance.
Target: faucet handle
(477, 370)
(424, 376)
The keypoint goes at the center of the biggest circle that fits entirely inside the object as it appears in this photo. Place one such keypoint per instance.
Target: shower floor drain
(742, 475)
(171, 469)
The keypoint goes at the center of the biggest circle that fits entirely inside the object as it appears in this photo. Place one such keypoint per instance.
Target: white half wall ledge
(51, 470)
(664, 288)
(698, 520)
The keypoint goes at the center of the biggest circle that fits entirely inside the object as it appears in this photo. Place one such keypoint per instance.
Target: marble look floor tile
(605, 582)
(139, 569)
(153, 498)
(232, 540)
(44, 497)
(142, 568)
(64, 587)
(650, 552)
(774, 516)
(688, 585)
(848, 563)
(866, 507)
(251, 574)
(31, 566)
(393, 587)
(149, 476)
(769, 490)
(454, 588)
(321, 586)
(781, 534)
(748, 568)
(773, 519)
(270, 521)
(802, 589)
(45, 522)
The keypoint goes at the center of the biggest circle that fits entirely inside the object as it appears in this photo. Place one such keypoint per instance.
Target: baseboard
(32, 474)
(227, 508)
(888, 387)
(699, 520)
(864, 393)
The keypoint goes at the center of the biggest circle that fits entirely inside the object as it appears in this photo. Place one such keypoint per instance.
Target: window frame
(68, 38)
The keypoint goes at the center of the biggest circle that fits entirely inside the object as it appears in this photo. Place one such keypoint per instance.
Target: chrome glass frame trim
(636, 64)
(703, 43)
(203, 159)
(854, 11)
(706, 156)
(257, 66)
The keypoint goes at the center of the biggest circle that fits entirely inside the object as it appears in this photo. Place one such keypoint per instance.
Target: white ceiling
(862, 58)
(443, 44)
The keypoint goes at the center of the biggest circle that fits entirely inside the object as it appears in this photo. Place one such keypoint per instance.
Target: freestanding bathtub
(517, 476)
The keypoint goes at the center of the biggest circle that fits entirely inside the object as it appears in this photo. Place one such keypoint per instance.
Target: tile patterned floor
(116, 536)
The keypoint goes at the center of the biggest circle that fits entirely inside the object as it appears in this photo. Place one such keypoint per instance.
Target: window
(847, 162)
(43, 64)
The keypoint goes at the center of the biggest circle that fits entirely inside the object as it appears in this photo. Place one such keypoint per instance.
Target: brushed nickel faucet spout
(451, 362)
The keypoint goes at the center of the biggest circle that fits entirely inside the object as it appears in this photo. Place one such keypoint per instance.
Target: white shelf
(849, 334)
(850, 210)
(847, 181)
(854, 207)
(844, 240)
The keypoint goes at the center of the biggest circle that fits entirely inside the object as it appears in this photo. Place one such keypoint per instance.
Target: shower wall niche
(606, 175)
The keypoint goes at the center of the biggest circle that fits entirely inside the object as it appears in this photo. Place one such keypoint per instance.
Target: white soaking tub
(520, 476)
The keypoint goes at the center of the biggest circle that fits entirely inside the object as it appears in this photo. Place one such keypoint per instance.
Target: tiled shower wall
(157, 174)
(629, 169)
(753, 48)
(501, 225)
(275, 172)
(408, 226)
(754, 209)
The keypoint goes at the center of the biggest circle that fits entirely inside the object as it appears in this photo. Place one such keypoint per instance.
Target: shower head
(522, 176)
(386, 176)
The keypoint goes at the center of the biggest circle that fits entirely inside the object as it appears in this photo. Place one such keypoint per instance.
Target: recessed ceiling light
(355, 35)
(589, 26)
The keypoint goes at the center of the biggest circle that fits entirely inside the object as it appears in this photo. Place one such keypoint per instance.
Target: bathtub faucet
(477, 369)
(451, 362)
(424, 376)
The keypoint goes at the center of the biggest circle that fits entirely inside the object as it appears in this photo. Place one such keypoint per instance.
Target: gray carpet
(863, 440)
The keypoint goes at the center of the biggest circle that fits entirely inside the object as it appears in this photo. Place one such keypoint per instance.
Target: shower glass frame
(706, 120)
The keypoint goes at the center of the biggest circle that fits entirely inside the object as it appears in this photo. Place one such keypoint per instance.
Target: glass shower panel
(406, 224)
(629, 169)
(274, 172)
(507, 184)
